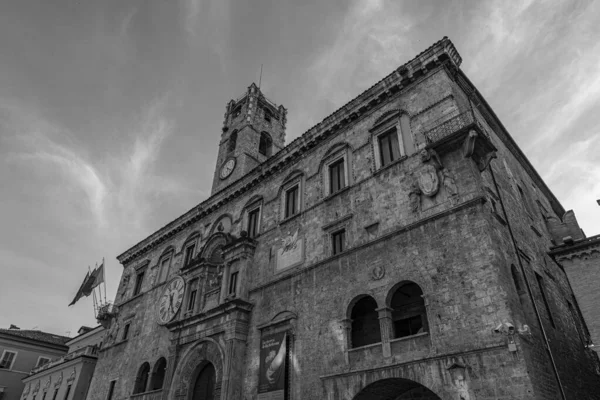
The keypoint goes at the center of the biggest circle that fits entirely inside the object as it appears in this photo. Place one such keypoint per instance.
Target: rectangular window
(111, 390)
(138, 283)
(41, 361)
(189, 254)
(389, 150)
(267, 116)
(337, 179)
(192, 300)
(126, 332)
(67, 393)
(164, 269)
(8, 358)
(253, 222)
(291, 201)
(337, 241)
(233, 282)
(540, 282)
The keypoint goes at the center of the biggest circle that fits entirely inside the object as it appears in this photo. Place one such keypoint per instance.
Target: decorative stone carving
(59, 380)
(291, 252)
(414, 197)
(378, 272)
(449, 183)
(429, 182)
(72, 376)
(431, 155)
(484, 161)
(48, 381)
(37, 388)
(469, 145)
(27, 389)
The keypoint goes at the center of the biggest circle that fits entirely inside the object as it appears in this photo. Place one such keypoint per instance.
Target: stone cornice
(584, 247)
(441, 52)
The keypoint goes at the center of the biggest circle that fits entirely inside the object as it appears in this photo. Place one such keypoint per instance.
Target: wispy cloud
(120, 189)
(371, 41)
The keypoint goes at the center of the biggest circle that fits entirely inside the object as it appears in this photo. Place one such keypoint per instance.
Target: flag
(99, 277)
(80, 291)
(88, 285)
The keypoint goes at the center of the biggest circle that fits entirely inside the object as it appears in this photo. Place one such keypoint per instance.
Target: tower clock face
(171, 300)
(227, 168)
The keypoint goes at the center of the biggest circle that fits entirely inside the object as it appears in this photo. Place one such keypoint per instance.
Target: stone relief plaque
(428, 180)
(291, 252)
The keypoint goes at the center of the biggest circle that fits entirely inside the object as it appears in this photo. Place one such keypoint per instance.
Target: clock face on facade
(227, 168)
(171, 300)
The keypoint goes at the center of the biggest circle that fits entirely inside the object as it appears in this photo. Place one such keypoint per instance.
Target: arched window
(204, 388)
(232, 142)
(141, 380)
(265, 145)
(216, 256)
(365, 323)
(158, 374)
(408, 310)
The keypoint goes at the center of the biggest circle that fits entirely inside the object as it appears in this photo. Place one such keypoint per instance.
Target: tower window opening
(236, 112)
(268, 115)
(232, 142)
(265, 145)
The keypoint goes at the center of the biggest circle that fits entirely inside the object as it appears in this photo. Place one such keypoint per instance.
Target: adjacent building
(396, 250)
(67, 377)
(22, 350)
(580, 258)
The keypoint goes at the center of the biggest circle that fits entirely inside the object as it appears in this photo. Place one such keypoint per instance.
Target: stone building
(69, 376)
(21, 350)
(580, 258)
(396, 250)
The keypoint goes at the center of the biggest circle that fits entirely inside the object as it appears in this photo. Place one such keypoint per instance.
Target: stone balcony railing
(450, 126)
(152, 395)
(91, 351)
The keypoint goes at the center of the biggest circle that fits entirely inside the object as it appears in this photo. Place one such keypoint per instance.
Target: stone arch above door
(192, 360)
(380, 384)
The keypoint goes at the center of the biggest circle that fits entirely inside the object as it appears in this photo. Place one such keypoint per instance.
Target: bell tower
(253, 130)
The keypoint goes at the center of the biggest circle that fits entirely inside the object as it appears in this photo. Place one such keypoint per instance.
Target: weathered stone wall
(527, 209)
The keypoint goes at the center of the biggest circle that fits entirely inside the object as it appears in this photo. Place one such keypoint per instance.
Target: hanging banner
(273, 357)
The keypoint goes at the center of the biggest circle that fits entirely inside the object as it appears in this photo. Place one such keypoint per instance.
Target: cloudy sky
(110, 111)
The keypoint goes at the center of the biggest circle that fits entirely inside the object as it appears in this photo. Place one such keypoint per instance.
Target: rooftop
(39, 336)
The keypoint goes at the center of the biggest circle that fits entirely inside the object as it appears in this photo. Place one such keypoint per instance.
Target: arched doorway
(396, 389)
(204, 387)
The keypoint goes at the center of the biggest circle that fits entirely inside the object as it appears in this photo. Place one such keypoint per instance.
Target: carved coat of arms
(429, 182)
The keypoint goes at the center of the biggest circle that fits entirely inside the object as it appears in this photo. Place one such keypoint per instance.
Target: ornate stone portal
(192, 361)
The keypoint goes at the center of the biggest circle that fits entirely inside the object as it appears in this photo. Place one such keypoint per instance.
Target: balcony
(462, 131)
(91, 351)
(152, 395)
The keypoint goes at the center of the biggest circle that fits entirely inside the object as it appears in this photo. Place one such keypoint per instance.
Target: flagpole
(104, 279)
(93, 294)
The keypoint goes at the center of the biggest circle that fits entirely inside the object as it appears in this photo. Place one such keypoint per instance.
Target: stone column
(386, 328)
